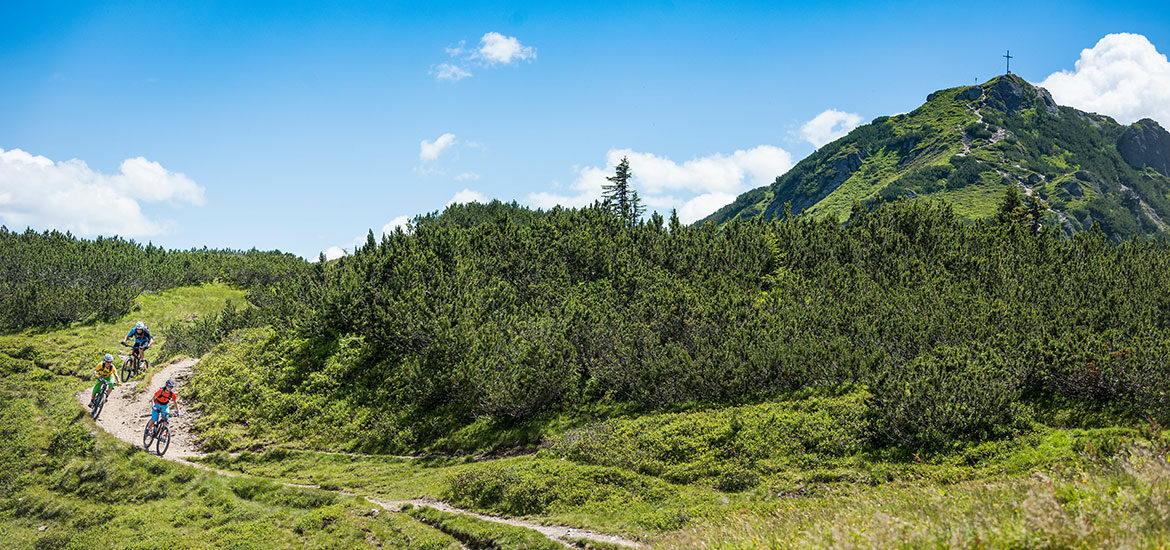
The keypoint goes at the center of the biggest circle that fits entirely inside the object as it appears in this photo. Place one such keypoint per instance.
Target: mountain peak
(1007, 93)
(967, 144)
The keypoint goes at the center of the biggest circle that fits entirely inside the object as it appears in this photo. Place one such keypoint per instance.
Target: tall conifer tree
(619, 197)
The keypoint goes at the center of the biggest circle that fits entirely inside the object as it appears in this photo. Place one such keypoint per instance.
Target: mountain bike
(99, 401)
(160, 436)
(134, 364)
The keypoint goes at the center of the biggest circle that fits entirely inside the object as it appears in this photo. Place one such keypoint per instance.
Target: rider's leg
(155, 409)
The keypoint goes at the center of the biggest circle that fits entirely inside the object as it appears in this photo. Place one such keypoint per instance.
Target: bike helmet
(109, 358)
(170, 384)
(139, 325)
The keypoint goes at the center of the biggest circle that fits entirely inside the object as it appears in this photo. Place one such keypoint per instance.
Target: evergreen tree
(619, 197)
(1036, 209)
(1011, 206)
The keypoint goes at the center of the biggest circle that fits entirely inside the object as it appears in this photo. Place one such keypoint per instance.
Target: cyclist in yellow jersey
(106, 372)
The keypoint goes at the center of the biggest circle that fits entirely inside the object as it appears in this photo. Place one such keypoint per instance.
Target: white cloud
(399, 222)
(335, 252)
(467, 195)
(447, 71)
(466, 176)
(69, 196)
(829, 126)
(696, 187)
(457, 50)
(1122, 76)
(430, 150)
(495, 48)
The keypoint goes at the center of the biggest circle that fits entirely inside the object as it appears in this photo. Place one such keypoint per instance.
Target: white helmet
(139, 325)
(109, 358)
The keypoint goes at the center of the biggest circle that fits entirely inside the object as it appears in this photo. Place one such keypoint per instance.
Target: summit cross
(1008, 56)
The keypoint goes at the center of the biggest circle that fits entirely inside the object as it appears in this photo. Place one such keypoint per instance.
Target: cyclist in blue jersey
(142, 338)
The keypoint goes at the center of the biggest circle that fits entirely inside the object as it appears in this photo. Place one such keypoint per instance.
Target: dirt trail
(128, 410)
(558, 533)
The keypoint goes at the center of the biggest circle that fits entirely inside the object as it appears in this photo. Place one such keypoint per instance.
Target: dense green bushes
(197, 336)
(50, 278)
(944, 394)
(951, 324)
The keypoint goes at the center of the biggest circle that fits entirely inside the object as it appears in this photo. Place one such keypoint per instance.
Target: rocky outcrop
(971, 94)
(1074, 188)
(842, 167)
(1146, 143)
(1010, 93)
(1050, 105)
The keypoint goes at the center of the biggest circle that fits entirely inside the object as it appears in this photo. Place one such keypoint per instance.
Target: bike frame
(163, 418)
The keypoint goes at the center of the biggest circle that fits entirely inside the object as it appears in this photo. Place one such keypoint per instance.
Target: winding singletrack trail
(128, 410)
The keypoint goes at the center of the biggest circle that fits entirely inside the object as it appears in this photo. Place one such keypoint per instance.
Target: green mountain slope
(965, 145)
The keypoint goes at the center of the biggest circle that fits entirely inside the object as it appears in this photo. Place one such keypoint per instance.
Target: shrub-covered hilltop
(52, 279)
(965, 145)
(475, 332)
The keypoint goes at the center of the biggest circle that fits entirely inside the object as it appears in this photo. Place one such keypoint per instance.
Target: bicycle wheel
(147, 437)
(127, 370)
(144, 365)
(98, 403)
(164, 440)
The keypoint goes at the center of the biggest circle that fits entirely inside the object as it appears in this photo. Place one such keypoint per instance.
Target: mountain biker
(105, 372)
(162, 403)
(142, 338)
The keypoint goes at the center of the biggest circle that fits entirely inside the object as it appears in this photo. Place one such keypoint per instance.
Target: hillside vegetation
(53, 279)
(902, 376)
(754, 385)
(484, 336)
(966, 145)
(64, 486)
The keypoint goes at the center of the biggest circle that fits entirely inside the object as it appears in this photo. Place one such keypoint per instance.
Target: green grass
(75, 350)
(66, 484)
(603, 498)
(646, 475)
(477, 533)
(876, 172)
(974, 202)
(1120, 503)
(385, 477)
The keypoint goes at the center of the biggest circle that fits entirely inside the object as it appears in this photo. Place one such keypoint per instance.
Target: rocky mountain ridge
(966, 144)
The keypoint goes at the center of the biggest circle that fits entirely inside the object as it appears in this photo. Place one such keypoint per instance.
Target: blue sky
(299, 126)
